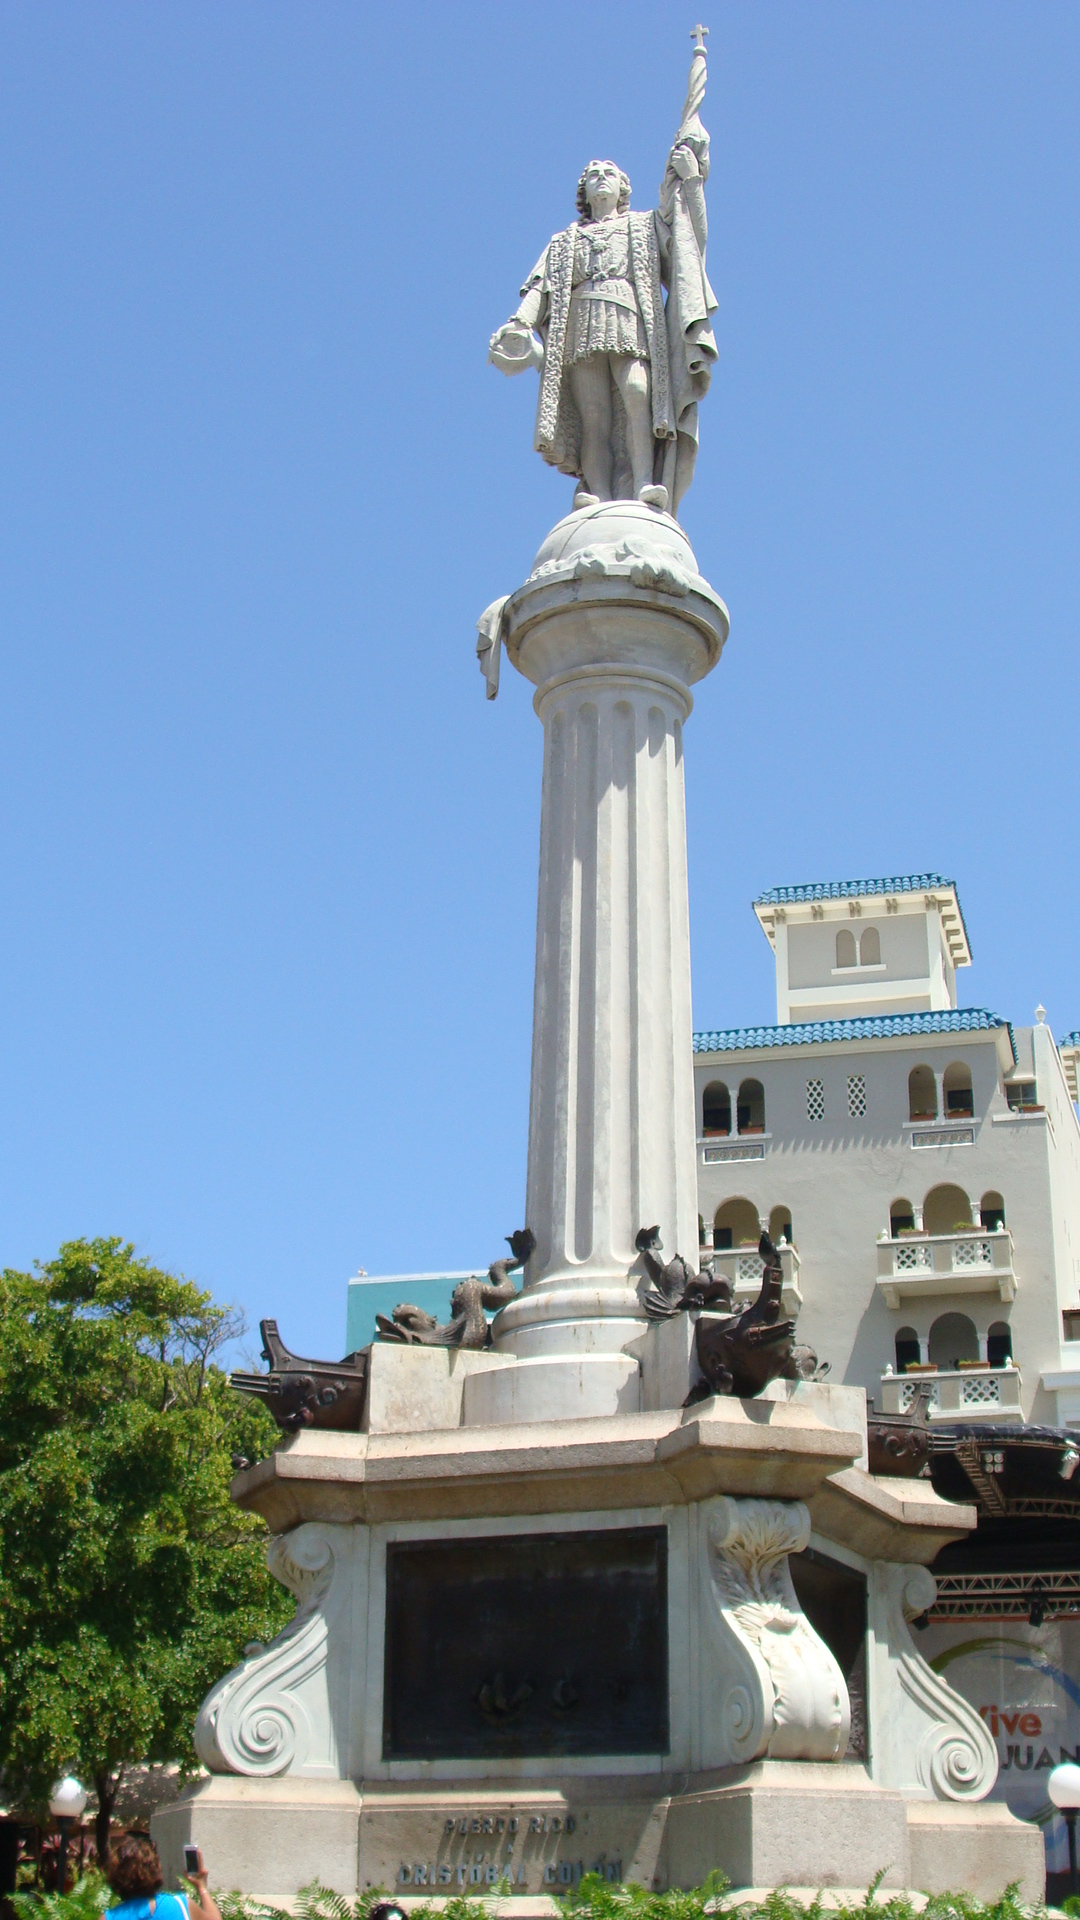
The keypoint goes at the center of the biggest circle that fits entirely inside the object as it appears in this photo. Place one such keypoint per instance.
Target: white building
(922, 1160)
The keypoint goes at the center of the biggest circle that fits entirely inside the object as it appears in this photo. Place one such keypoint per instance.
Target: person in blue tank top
(134, 1872)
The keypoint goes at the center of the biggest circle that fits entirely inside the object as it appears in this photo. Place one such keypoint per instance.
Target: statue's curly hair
(583, 209)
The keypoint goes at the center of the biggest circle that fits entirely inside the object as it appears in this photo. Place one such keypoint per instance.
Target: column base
(774, 1824)
(584, 1386)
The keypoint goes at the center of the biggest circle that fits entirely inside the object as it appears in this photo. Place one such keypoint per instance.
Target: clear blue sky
(268, 856)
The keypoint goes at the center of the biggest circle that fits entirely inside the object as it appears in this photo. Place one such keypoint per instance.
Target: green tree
(128, 1580)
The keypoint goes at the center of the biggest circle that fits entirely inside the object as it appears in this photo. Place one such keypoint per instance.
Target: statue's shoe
(583, 499)
(654, 497)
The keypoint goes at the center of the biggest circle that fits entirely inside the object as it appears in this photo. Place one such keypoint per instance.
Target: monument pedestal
(527, 1651)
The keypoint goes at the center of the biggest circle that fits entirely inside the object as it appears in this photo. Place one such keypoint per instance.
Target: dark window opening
(716, 1110)
(908, 1353)
(750, 1109)
(999, 1345)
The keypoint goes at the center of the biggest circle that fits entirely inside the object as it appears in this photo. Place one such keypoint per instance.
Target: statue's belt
(619, 292)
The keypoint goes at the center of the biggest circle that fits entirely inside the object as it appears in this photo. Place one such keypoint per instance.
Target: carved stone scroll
(924, 1738)
(781, 1693)
(270, 1715)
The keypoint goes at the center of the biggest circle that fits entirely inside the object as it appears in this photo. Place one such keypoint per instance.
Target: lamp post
(1063, 1786)
(67, 1803)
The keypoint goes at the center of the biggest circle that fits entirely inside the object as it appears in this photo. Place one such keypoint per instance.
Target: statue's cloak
(558, 423)
(683, 230)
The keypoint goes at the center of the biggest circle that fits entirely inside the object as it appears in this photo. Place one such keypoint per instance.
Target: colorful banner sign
(1025, 1682)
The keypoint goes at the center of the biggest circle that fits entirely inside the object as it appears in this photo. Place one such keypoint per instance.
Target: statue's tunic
(605, 316)
(627, 260)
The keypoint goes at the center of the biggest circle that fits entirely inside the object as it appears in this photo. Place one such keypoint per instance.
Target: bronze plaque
(526, 1644)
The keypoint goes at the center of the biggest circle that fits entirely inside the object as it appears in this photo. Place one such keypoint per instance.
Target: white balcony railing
(742, 1268)
(920, 1264)
(969, 1393)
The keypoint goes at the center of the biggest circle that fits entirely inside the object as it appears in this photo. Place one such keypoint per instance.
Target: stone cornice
(644, 1460)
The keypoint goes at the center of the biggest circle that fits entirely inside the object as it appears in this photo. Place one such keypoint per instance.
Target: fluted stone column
(613, 627)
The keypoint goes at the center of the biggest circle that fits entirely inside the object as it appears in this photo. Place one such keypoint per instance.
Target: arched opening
(992, 1211)
(922, 1094)
(947, 1210)
(959, 1100)
(780, 1226)
(736, 1225)
(716, 1108)
(845, 948)
(751, 1109)
(952, 1339)
(908, 1352)
(870, 948)
(999, 1344)
(901, 1217)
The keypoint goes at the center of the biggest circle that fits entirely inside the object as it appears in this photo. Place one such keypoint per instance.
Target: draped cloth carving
(784, 1696)
(270, 1714)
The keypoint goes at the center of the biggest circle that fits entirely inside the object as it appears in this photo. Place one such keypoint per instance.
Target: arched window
(959, 1101)
(845, 948)
(780, 1225)
(992, 1211)
(736, 1225)
(999, 1344)
(947, 1210)
(751, 1110)
(922, 1094)
(908, 1353)
(870, 947)
(901, 1217)
(952, 1339)
(716, 1108)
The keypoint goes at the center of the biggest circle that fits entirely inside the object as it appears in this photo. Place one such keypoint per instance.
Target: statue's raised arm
(621, 371)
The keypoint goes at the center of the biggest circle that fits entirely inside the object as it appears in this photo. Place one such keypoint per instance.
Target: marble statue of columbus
(621, 368)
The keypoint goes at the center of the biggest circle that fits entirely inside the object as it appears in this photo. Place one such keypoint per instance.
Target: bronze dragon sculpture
(738, 1353)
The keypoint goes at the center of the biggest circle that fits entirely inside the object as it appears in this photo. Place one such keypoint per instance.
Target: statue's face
(603, 185)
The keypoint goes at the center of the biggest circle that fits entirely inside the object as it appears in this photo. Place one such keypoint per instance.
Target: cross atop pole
(699, 35)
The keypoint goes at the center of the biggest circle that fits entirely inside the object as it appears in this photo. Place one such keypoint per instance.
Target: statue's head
(603, 188)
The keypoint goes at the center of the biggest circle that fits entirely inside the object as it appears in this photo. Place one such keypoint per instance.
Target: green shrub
(597, 1899)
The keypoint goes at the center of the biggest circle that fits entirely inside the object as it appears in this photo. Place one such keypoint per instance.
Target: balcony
(918, 1265)
(971, 1393)
(717, 1148)
(742, 1268)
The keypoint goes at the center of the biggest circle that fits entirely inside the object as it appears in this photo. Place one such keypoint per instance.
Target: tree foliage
(128, 1580)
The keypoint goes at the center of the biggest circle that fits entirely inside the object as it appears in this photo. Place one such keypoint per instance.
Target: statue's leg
(632, 379)
(590, 384)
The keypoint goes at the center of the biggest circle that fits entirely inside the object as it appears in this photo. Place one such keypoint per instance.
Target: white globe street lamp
(1063, 1786)
(67, 1803)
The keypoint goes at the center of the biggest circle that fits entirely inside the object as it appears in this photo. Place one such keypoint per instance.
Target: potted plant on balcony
(920, 1366)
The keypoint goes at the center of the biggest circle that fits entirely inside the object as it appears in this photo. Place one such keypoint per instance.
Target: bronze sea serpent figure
(468, 1325)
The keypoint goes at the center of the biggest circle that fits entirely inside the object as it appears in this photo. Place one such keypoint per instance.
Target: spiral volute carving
(742, 1726)
(957, 1768)
(266, 1738)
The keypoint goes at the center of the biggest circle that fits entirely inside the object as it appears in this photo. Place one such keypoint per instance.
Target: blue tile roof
(1070, 1039)
(852, 889)
(882, 1026)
